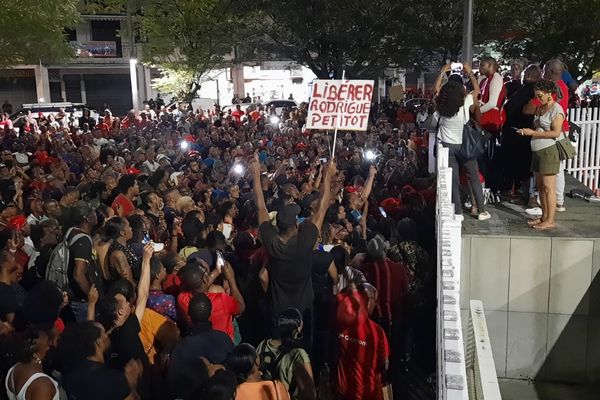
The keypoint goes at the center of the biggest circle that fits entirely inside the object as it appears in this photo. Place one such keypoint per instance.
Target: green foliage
(180, 83)
(190, 35)
(362, 37)
(33, 30)
(566, 28)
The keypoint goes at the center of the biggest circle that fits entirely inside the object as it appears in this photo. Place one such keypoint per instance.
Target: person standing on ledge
(545, 163)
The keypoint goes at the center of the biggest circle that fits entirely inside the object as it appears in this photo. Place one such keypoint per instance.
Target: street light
(134, 87)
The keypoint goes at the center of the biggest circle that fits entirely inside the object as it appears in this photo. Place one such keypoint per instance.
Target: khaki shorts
(546, 161)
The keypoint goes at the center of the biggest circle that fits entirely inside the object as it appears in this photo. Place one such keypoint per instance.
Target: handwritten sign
(341, 104)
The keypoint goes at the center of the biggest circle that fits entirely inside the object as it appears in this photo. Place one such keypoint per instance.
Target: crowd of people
(173, 254)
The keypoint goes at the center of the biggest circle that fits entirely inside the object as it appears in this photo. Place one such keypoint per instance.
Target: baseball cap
(376, 247)
(287, 216)
(161, 157)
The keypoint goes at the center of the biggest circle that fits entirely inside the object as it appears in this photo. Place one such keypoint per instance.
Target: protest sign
(340, 104)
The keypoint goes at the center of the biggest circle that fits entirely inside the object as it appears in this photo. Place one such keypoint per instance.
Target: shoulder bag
(474, 139)
(566, 150)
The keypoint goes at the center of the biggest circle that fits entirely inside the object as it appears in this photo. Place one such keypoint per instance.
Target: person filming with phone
(454, 109)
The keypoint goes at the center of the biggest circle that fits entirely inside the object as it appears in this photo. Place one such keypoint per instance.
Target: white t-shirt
(544, 123)
(451, 129)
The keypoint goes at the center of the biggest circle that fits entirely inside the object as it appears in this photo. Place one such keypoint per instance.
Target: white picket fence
(585, 167)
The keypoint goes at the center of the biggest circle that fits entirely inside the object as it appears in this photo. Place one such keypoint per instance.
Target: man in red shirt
(224, 306)
(129, 190)
(390, 278)
(363, 349)
(238, 114)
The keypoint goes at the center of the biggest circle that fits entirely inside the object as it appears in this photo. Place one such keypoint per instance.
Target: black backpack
(269, 364)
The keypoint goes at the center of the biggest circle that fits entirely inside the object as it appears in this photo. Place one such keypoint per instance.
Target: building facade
(100, 75)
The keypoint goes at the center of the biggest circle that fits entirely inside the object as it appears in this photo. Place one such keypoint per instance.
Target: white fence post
(585, 167)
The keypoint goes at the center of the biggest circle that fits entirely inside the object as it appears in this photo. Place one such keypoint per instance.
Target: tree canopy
(362, 37)
(559, 28)
(33, 31)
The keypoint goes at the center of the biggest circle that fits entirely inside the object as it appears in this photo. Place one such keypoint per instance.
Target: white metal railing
(460, 376)
(481, 370)
(585, 167)
(451, 373)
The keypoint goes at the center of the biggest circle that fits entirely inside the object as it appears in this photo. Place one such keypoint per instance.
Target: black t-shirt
(212, 344)
(80, 250)
(125, 344)
(8, 301)
(94, 381)
(290, 265)
(322, 285)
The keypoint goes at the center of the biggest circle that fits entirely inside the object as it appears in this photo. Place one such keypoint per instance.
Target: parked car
(415, 104)
(243, 107)
(280, 105)
(74, 110)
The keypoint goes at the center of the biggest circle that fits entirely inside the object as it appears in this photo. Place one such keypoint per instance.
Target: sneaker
(560, 208)
(484, 216)
(533, 203)
(535, 211)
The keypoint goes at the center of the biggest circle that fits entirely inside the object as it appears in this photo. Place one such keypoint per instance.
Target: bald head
(553, 69)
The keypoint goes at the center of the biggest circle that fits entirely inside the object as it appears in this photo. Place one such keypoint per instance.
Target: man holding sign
(340, 104)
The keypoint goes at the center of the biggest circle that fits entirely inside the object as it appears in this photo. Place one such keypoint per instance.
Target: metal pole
(467, 43)
(337, 122)
(134, 86)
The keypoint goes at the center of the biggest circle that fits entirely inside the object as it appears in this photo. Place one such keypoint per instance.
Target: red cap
(17, 222)
(350, 189)
(134, 171)
(59, 325)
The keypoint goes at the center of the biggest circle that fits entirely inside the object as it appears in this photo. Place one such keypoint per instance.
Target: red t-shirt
(363, 350)
(238, 115)
(391, 280)
(563, 100)
(172, 285)
(126, 205)
(224, 307)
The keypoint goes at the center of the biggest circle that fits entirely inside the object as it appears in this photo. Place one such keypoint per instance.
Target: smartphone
(227, 228)
(158, 247)
(356, 215)
(514, 128)
(456, 66)
(383, 213)
(291, 163)
(146, 238)
(323, 160)
(220, 261)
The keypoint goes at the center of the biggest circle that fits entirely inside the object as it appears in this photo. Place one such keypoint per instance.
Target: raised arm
(319, 216)
(144, 285)
(369, 184)
(438, 82)
(476, 89)
(263, 214)
(234, 290)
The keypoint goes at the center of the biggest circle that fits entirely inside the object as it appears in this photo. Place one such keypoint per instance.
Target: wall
(542, 302)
